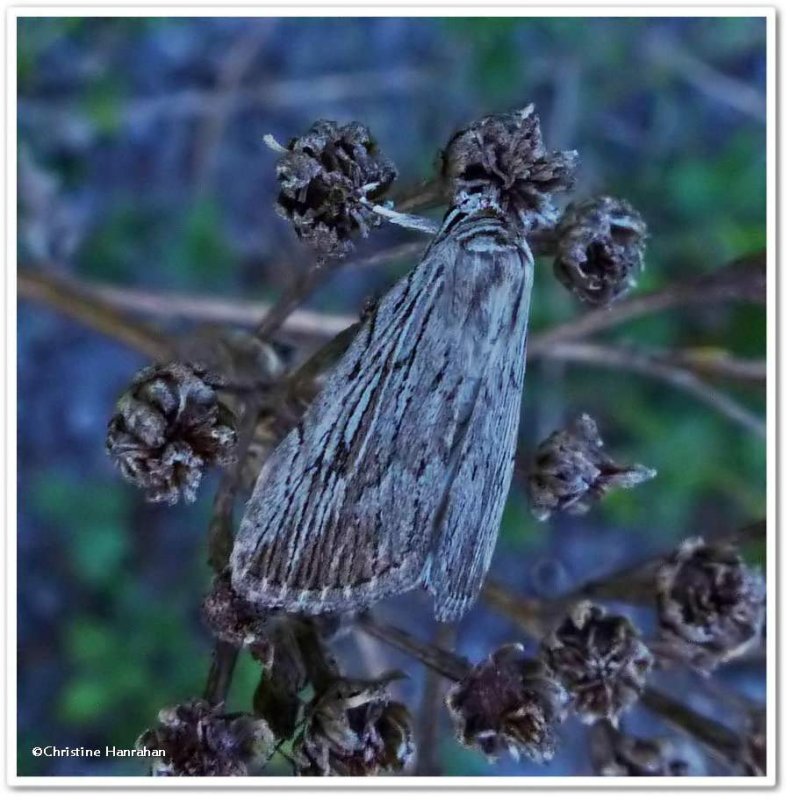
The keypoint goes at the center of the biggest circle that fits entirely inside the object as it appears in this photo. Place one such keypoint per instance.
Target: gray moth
(398, 473)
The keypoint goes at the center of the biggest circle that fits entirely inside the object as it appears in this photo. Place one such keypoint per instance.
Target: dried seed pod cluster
(354, 728)
(570, 471)
(508, 702)
(711, 606)
(600, 660)
(600, 249)
(169, 426)
(323, 176)
(199, 740)
(506, 152)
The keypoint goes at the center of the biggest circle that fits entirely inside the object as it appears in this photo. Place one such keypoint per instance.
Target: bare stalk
(722, 743)
(621, 358)
(431, 707)
(448, 664)
(634, 585)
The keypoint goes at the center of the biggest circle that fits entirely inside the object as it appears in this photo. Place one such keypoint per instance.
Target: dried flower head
(600, 660)
(571, 470)
(323, 175)
(616, 754)
(199, 740)
(711, 606)
(600, 249)
(508, 702)
(506, 151)
(353, 728)
(168, 427)
(234, 619)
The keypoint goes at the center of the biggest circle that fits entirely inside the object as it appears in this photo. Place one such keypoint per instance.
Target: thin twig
(236, 62)
(62, 295)
(220, 675)
(297, 93)
(622, 358)
(665, 50)
(220, 531)
(721, 742)
(442, 661)
(715, 363)
(429, 194)
(428, 727)
(742, 280)
(279, 313)
(634, 584)
(220, 543)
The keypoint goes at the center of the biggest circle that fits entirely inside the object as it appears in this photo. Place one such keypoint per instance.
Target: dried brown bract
(353, 728)
(711, 606)
(570, 471)
(168, 428)
(616, 754)
(199, 740)
(508, 702)
(600, 660)
(506, 151)
(323, 175)
(600, 249)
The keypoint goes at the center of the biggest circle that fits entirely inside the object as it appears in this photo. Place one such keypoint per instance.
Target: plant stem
(220, 674)
(634, 585)
(69, 298)
(724, 744)
(428, 762)
(436, 658)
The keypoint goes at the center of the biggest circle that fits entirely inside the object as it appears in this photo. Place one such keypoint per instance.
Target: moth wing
(469, 528)
(359, 501)
(340, 514)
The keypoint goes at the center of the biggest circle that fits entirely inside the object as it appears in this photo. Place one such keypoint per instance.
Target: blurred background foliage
(142, 165)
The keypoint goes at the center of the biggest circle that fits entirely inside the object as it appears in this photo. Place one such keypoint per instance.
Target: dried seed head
(600, 249)
(615, 754)
(322, 177)
(571, 470)
(199, 740)
(233, 619)
(169, 426)
(506, 151)
(508, 702)
(711, 606)
(353, 728)
(600, 660)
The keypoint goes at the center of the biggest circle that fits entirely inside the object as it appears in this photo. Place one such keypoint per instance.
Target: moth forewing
(468, 529)
(399, 470)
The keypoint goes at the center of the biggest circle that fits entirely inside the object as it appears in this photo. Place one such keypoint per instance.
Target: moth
(397, 474)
